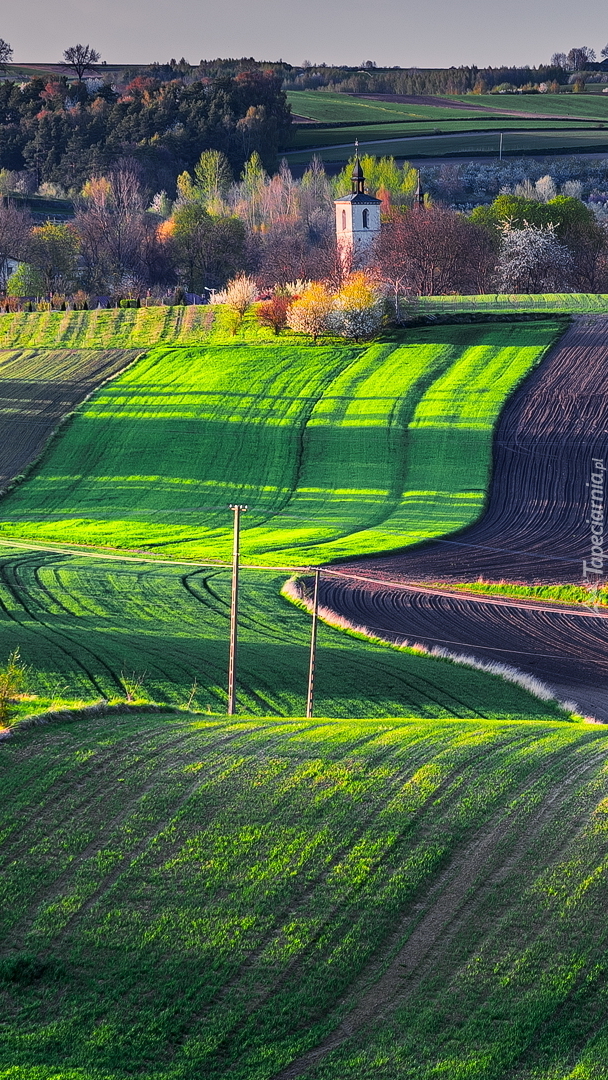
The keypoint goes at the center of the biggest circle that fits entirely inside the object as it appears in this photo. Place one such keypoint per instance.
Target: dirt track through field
(38, 387)
(535, 530)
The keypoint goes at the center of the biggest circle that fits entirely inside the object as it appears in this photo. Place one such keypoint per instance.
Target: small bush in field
(12, 682)
(273, 312)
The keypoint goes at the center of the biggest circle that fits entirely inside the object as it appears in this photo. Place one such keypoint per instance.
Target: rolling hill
(269, 899)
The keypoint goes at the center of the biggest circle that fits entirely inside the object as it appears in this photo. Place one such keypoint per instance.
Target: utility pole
(313, 647)
(237, 508)
(500, 148)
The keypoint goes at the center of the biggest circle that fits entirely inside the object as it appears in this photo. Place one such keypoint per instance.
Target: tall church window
(366, 219)
(344, 219)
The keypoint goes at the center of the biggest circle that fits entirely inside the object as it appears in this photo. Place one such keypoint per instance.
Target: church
(357, 221)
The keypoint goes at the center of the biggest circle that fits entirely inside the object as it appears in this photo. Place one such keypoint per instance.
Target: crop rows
(522, 303)
(40, 386)
(336, 450)
(536, 530)
(89, 630)
(217, 899)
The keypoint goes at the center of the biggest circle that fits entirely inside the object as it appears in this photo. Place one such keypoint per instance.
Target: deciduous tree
(6, 54)
(310, 312)
(80, 59)
(357, 309)
(532, 260)
(54, 252)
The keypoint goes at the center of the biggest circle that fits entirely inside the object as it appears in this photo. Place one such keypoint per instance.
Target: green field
(461, 144)
(197, 898)
(344, 108)
(114, 328)
(88, 627)
(584, 106)
(505, 304)
(336, 449)
(312, 137)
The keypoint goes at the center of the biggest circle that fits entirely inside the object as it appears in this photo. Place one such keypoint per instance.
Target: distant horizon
(394, 32)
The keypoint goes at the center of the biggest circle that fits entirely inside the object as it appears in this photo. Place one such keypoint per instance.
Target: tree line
(123, 244)
(65, 131)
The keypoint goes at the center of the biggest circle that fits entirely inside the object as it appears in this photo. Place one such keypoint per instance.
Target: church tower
(357, 221)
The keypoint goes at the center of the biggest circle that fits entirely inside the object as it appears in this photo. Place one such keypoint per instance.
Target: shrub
(273, 312)
(357, 310)
(12, 682)
(310, 313)
(25, 281)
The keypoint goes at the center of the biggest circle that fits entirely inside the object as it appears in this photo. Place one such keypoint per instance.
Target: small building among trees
(357, 221)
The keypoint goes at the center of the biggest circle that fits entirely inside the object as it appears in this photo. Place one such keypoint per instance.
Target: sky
(408, 33)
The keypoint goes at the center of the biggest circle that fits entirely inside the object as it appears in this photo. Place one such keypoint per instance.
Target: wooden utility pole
(313, 647)
(237, 509)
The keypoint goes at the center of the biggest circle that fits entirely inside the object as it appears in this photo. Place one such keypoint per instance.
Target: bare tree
(579, 58)
(560, 60)
(433, 251)
(15, 228)
(6, 54)
(80, 58)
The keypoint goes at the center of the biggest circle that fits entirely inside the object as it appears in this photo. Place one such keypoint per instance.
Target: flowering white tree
(532, 260)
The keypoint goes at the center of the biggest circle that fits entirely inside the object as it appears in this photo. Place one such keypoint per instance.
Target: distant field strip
(344, 108)
(337, 450)
(38, 387)
(459, 143)
(306, 137)
(505, 304)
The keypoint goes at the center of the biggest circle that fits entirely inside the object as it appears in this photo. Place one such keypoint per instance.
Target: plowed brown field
(535, 529)
(40, 386)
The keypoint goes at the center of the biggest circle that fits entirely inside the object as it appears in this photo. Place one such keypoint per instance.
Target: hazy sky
(432, 33)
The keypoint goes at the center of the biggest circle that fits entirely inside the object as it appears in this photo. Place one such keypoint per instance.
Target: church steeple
(357, 179)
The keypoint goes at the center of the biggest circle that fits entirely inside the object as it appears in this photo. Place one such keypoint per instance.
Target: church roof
(359, 198)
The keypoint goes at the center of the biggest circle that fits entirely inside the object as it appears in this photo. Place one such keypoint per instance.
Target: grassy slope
(185, 898)
(122, 329)
(466, 143)
(342, 108)
(336, 449)
(577, 105)
(87, 627)
(306, 137)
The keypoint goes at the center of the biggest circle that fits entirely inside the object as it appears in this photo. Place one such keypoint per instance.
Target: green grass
(342, 108)
(565, 594)
(505, 304)
(89, 628)
(590, 106)
(124, 328)
(312, 137)
(194, 897)
(461, 143)
(337, 450)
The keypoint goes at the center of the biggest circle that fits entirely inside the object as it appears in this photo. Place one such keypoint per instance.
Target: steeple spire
(357, 178)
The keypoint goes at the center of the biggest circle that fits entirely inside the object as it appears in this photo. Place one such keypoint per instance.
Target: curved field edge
(337, 450)
(330, 899)
(298, 591)
(90, 631)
